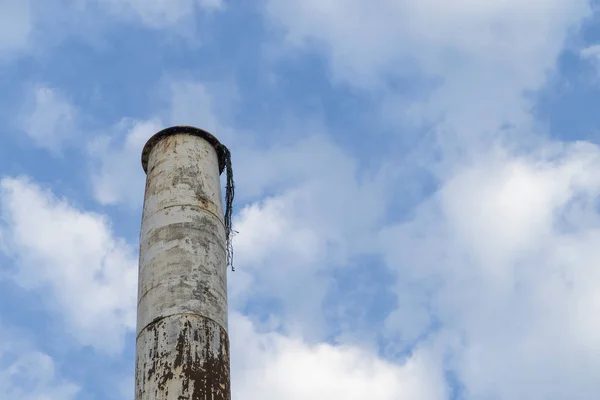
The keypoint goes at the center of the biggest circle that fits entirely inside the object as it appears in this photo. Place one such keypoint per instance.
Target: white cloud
(86, 274)
(499, 265)
(117, 176)
(27, 374)
(321, 215)
(270, 366)
(503, 257)
(592, 54)
(33, 26)
(160, 13)
(193, 103)
(438, 35)
(513, 199)
(15, 26)
(478, 58)
(48, 118)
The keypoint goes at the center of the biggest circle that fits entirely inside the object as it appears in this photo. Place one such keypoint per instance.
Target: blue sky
(417, 191)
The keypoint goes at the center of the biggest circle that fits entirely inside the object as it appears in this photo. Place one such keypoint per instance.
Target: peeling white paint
(182, 345)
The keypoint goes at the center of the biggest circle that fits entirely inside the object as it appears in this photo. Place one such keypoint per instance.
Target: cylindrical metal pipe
(182, 348)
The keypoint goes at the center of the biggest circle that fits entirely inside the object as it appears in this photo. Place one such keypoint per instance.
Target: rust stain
(198, 361)
(209, 373)
(169, 144)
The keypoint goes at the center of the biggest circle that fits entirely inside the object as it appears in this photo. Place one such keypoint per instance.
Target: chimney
(182, 345)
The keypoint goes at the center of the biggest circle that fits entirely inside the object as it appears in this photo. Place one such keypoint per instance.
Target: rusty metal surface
(183, 357)
(190, 130)
(182, 345)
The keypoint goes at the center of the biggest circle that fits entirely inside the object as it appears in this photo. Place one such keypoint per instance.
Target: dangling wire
(229, 194)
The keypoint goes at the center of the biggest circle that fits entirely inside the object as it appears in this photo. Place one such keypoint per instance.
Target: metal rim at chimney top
(190, 130)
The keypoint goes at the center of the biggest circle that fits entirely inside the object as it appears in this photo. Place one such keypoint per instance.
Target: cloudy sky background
(418, 188)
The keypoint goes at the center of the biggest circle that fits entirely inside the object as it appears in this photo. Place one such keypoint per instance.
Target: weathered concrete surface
(182, 344)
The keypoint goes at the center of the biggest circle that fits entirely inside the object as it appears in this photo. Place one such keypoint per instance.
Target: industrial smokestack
(182, 348)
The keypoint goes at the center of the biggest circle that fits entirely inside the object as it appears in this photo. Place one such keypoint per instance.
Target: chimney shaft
(182, 348)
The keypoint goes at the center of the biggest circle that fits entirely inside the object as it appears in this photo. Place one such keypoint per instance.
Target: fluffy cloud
(193, 103)
(160, 13)
(321, 216)
(502, 259)
(437, 35)
(117, 175)
(15, 26)
(271, 366)
(28, 28)
(47, 118)
(475, 59)
(27, 374)
(498, 266)
(87, 275)
(592, 54)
